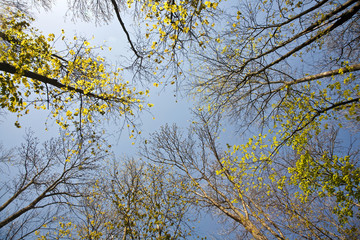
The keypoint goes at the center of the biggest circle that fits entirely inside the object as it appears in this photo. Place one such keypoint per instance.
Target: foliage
(166, 30)
(251, 187)
(274, 51)
(291, 68)
(287, 70)
(131, 200)
(75, 84)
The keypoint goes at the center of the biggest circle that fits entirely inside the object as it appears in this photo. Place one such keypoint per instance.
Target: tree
(130, 200)
(40, 182)
(164, 31)
(290, 68)
(276, 50)
(252, 190)
(287, 70)
(75, 84)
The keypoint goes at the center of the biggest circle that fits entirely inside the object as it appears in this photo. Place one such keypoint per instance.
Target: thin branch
(124, 28)
(342, 19)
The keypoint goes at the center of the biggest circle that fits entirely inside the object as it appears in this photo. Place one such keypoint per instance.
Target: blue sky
(167, 108)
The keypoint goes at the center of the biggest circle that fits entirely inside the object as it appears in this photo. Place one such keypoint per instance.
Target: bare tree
(40, 182)
(131, 200)
(249, 189)
(274, 52)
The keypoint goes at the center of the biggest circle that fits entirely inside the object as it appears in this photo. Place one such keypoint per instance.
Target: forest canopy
(278, 76)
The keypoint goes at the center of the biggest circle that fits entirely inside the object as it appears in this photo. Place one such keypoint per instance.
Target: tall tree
(75, 84)
(130, 200)
(275, 50)
(164, 31)
(40, 182)
(290, 68)
(250, 188)
(287, 67)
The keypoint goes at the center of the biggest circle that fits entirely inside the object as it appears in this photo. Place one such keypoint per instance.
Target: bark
(53, 82)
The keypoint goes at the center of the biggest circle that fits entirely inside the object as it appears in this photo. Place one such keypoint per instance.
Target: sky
(167, 108)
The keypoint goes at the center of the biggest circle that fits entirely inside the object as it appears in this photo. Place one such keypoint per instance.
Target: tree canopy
(282, 73)
(75, 85)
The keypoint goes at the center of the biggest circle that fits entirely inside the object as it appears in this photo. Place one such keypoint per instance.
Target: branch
(297, 36)
(343, 18)
(16, 41)
(23, 188)
(124, 28)
(34, 203)
(335, 106)
(11, 69)
(299, 15)
(352, 68)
